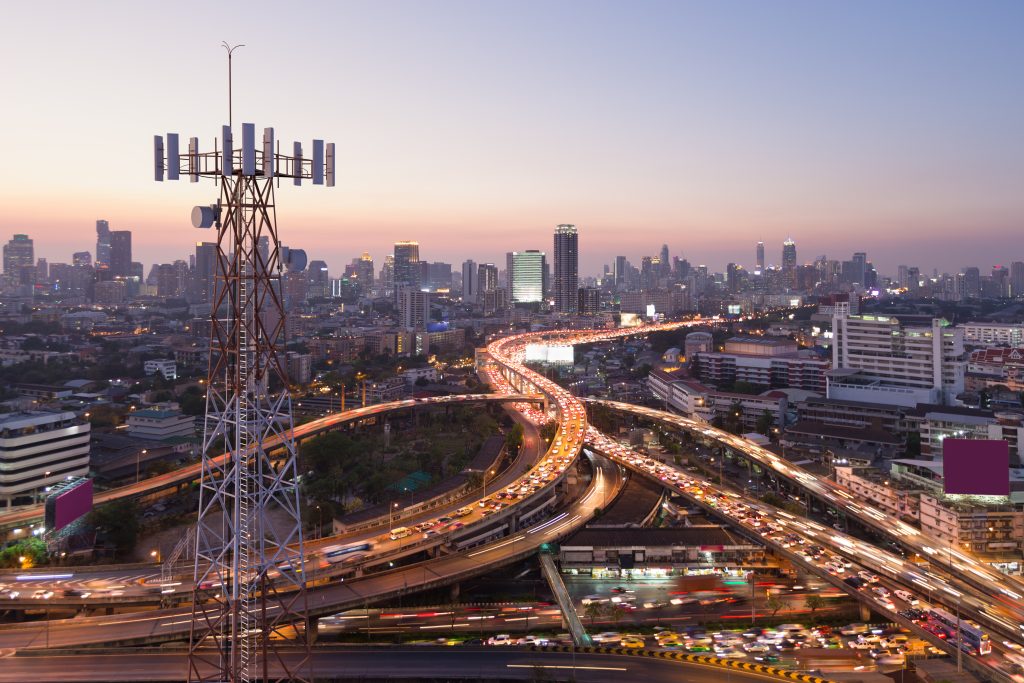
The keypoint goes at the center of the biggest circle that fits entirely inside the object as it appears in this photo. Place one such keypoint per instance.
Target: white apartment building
(993, 334)
(167, 367)
(39, 449)
(879, 360)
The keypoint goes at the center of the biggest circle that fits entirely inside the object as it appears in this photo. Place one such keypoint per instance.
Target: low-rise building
(993, 334)
(763, 361)
(167, 367)
(693, 399)
(39, 449)
(162, 422)
(384, 391)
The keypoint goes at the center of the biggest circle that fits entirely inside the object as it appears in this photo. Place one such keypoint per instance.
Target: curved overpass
(1005, 591)
(189, 473)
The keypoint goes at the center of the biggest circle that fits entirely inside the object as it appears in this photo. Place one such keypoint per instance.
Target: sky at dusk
(895, 128)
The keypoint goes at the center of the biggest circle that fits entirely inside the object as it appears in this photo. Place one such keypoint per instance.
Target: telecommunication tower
(249, 603)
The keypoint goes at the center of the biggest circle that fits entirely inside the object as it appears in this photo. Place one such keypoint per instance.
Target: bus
(400, 532)
(972, 639)
(337, 553)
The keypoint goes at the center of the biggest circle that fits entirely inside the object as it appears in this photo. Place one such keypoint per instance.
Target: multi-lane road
(385, 664)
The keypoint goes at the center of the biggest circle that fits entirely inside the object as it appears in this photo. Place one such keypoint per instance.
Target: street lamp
(155, 554)
(391, 523)
(138, 457)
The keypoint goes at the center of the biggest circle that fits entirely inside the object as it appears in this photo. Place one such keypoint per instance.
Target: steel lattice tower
(249, 601)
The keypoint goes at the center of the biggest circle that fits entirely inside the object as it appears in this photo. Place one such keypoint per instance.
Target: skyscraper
(102, 244)
(81, 258)
(364, 272)
(469, 280)
(620, 272)
(19, 254)
(406, 269)
(1017, 279)
(759, 259)
(788, 254)
(413, 308)
(120, 253)
(567, 276)
(666, 266)
(526, 275)
(203, 275)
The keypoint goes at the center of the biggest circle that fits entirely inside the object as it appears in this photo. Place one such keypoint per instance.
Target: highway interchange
(989, 597)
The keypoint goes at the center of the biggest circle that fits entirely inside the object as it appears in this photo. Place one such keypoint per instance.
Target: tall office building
(406, 268)
(1017, 279)
(363, 268)
(121, 253)
(81, 258)
(789, 254)
(486, 279)
(759, 259)
(620, 272)
(567, 268)
(203, 274)
(972, 282)
(526, 271)
(470, 274)
(19, 254)
(102, 244)
(413, 308)
(666, 265)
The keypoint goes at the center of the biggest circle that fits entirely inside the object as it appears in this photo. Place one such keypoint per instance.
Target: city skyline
(846, 132)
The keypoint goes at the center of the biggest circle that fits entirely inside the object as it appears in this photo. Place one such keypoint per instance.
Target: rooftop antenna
(230, 49)
(249, 599)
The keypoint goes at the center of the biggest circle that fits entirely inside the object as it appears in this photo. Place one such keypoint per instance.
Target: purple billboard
(71, 501)
(979, 467)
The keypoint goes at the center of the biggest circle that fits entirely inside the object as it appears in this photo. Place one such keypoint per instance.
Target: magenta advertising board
(68, 504)
(979, 467)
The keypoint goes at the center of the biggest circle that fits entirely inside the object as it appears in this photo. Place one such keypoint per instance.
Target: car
(42, 594)
(767, 658)
(653, 604)
(588, 599)
(907, 597)
(632, 642)
(607, 637)
(502, 639)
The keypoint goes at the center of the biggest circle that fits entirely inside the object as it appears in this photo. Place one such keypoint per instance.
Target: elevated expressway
(1000, 596)
(470, 560)
(32, 514)
(790, 536)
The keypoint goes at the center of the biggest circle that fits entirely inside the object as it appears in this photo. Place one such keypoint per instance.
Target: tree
(33, 550)
(616, 613)
(514, 438)
(774, 603)
(548, 430)
(593, 610)
(765, 422)
(814, 603)
(118, 521)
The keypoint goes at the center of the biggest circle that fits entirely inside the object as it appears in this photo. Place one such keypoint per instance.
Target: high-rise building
(120, 253)
(363, 270)
(205, 270)
(972, 282)
(589, 301)
(759, 257)
(387, 274)
(620, 272)
(413, 308)
(1017, 279)
(406, 269)
(877, 359)
(567, 262)
(486, 279)
(470, 274)
(81, 258)
(666, 266)
(319, 280)
(19, 254)
(788, 254)
(102, 244)
(526, 275)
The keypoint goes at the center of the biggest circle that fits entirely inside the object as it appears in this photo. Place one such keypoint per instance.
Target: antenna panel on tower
(330, 164)
(193, 160)
(158, 158)
(318, 162)
(227, 155)
(297, 169)
(249, 149)
(268, 152)
(173, 162)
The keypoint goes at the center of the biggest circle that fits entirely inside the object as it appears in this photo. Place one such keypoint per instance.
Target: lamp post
(319, 522)
(391, 523)
(155, 554)
(138, 457)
